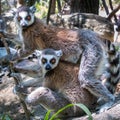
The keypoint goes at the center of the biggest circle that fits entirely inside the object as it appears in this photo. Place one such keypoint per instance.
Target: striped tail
(113, 68)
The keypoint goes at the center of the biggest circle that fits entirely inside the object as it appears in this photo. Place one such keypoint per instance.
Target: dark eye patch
(43, 60)
(19, 18)
(28, 17)
(53, 61)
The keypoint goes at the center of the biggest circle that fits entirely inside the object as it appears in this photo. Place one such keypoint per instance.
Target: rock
(111, 114)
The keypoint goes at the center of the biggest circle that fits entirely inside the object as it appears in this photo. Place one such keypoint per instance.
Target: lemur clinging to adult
(60, 86)
(77, 45)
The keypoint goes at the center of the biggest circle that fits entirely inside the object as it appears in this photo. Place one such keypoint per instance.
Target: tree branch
(111, 6)
(113, 12)
(105, 6)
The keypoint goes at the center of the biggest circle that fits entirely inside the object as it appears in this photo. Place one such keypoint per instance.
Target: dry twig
(113, 12)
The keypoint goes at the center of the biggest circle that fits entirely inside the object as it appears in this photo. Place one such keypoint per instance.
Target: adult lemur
(82, 46)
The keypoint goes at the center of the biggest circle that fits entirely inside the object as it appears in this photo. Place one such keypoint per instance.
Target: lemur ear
(33, 9)
(59, 53)
(38, 53)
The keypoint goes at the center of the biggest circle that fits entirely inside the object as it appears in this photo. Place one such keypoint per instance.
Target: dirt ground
(9, 102)
(10, 105)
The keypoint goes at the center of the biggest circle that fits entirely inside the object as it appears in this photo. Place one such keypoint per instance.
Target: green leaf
(47, 115)
(59, 111)
(83, 107)
(5, 117)
(86, 110)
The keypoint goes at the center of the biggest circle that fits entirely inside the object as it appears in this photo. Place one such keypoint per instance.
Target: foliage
(42, 8)
(4, 6)
(117, 1)
(5, 117)
(117, 47)
(83, 107)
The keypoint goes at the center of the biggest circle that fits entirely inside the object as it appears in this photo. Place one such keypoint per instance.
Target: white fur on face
(24, 21)
(48, 57)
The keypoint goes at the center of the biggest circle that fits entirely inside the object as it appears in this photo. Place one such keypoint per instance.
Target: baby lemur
(83, 51)
(60, 86)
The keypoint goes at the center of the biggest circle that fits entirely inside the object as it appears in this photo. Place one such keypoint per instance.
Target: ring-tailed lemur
(60, 86)
(79, 46)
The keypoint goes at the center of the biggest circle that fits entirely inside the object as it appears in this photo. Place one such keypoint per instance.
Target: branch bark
(0, 7)
(20, 2)
(113, 12)
(105, 6)
(111, 6)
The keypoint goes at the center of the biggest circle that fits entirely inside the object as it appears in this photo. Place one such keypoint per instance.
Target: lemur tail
(113, 68)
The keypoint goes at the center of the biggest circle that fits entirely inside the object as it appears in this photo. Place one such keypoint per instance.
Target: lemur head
(48, 59)
(24, 16)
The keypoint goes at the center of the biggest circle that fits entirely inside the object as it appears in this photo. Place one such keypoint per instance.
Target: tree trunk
(84, 6)
(53, 6)
(26, 2)
(30, 2)
(51, 9)
(20, 2)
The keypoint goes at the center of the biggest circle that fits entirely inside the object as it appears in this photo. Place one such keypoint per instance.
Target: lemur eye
(19, 18)
(52, 61)
(28, 17)
(44, 60)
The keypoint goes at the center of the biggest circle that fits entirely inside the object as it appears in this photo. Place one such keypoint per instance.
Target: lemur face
(48, 59)
(24, 16)
(48, 62)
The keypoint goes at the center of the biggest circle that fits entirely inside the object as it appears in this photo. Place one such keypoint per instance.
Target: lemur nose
(24, 25)
(48, 67)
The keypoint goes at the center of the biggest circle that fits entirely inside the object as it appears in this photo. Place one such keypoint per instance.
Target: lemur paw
(37, 95)
(106, 106)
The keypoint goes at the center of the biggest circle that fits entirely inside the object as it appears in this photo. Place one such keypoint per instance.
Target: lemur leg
(50, 100)
(32, 82)
(90, 62)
